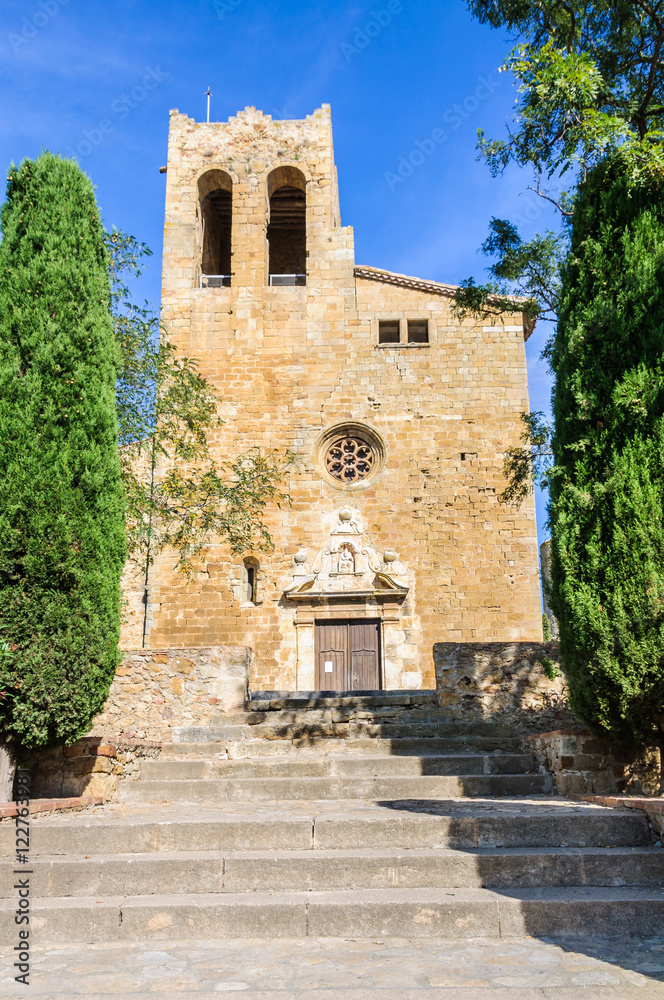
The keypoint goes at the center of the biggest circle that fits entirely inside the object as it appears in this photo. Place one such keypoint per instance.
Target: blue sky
(99, 79)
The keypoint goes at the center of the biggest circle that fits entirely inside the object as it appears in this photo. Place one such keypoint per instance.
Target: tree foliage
(607, 494)
(62, 541)
(531, 462)
(590, 105)
(590, 86)
(525, 275)
(590, 81)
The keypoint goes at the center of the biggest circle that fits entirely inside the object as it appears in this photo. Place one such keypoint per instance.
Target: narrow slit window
(388, 331)
(250, 581)
(418, 331)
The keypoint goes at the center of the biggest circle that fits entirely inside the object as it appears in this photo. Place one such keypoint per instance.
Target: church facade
(399, 415)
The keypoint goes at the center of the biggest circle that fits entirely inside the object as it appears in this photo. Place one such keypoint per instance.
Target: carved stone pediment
(348, 565)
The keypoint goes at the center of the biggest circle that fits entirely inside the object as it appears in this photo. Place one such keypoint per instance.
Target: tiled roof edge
(420, 285)
(391, 278)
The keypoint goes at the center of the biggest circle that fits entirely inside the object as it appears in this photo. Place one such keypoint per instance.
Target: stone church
(399, 414)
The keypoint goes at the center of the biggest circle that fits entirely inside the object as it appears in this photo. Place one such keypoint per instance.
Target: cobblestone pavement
(330, 969)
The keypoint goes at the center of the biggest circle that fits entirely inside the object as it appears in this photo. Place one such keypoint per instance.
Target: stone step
(276, 701)
(359, 746)
(316, 789)
(399, 913)
(342, 719)
(337, 766)
(344, 716)
(308, 749)
(303, 826)
(326, 870)
(312, 732)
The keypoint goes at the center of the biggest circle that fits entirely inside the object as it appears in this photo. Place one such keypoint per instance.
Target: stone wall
(582, 764)
(503, 682)
(154, 690)
(520, 684)
(88, 767)
(291, 364)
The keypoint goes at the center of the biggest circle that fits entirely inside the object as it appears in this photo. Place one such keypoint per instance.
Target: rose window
(349, 459)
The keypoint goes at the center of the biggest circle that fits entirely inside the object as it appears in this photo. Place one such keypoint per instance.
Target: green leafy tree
(177, 496)
(525, 275)
(590, 86)
(590, 79)
(62, 539)
(589, 112)
(531, 462)
(607, 491)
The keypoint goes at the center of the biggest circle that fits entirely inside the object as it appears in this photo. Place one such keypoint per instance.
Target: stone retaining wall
(652, 807)
(75, 803)
(155, 689)
(503, 682)
(581, 764)
(88, 767)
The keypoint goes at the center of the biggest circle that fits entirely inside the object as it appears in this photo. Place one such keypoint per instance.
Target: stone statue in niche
(346, 563)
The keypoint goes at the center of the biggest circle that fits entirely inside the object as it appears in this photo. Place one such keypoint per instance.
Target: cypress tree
(607, 490)
(62, 539)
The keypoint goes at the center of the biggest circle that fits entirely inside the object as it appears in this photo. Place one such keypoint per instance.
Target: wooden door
(364, 660)
(347, 655)
(331, 655)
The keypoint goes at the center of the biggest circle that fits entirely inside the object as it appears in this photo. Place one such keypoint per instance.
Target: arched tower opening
(287, 227)
(215, 194)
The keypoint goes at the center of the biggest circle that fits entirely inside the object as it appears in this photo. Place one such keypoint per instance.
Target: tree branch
(547, 197)
(641, 114)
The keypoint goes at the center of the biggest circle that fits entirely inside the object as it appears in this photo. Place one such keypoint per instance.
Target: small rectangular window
(418, 331)
(388, 331)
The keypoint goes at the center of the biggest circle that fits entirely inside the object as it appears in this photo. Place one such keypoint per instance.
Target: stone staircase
(358, 816)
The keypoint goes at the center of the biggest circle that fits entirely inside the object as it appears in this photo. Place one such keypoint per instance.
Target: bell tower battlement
(251, 204)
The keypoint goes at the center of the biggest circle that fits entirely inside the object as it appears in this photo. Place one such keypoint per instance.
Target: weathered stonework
(651, 806)
(89, 767)
(154, 690)
(502, 682)
(581, 764)
(291, 364)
